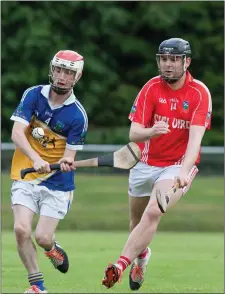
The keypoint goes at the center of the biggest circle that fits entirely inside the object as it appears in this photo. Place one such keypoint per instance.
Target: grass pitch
(97, 224)
(180, 263)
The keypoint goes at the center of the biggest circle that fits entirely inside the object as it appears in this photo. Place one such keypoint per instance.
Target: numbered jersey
(190, 105)
(64, 126)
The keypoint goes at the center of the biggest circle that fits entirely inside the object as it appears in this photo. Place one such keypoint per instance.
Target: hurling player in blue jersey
(56, 110)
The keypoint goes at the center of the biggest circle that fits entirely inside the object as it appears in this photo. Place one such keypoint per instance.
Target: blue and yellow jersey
(65, 126)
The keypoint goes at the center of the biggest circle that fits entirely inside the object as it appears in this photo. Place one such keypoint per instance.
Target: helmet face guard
(66, 60)
(178, 73)
(173, 49)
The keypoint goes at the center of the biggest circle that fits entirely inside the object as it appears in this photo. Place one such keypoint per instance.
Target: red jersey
(190, 105)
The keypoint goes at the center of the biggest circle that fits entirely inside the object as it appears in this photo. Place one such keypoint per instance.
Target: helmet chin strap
(56, 89)
(60, 91)
(172, 80)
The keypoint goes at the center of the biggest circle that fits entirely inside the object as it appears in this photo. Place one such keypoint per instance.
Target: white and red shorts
(143, 177)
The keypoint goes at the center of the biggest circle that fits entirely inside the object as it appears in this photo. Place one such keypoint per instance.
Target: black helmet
(174, 46)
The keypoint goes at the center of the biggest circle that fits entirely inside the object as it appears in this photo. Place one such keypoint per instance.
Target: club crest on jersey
(133, 109)
(185, 106)
(208, 115)
(82, 138)
(20, 107)
(83, 135)
(59, 126)
(18, 111)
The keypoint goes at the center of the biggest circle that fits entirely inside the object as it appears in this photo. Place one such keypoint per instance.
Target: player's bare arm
(67, 161)
(138, 132)
(20, 140)
(194, 143)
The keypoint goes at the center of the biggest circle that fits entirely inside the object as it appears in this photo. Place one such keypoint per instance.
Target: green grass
(98, 199)
(180, 263)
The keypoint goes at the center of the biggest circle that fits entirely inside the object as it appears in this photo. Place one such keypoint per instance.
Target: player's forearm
(23, 144)
(191, 156)
(194, 144)
(138, 134)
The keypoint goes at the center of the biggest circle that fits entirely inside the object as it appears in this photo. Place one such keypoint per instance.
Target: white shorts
(143, 177)
(41, 200)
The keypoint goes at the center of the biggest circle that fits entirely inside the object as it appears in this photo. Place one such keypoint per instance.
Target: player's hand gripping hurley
(124, 158)
(164, 199)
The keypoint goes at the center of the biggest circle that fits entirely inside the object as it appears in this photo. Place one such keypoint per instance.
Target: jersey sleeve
(141, 111)
(77, 133)
(26, 107)
(203, 111)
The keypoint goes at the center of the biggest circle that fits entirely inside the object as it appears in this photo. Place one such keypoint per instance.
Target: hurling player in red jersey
(169, 117)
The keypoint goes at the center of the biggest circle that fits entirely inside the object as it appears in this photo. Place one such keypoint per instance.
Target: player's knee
(43, 240)
(22, 232)
(153, 211)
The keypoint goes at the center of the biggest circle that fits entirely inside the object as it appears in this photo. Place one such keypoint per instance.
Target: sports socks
(37, 279)
(124, 262)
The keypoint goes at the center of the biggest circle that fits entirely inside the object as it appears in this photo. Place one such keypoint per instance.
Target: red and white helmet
(70, 60)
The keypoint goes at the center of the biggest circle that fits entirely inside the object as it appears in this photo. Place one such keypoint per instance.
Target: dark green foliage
(118, 41)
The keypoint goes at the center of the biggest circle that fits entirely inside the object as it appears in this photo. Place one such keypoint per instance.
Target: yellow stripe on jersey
(51, 148)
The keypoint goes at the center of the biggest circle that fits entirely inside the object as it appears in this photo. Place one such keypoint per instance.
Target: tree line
(119, 40)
